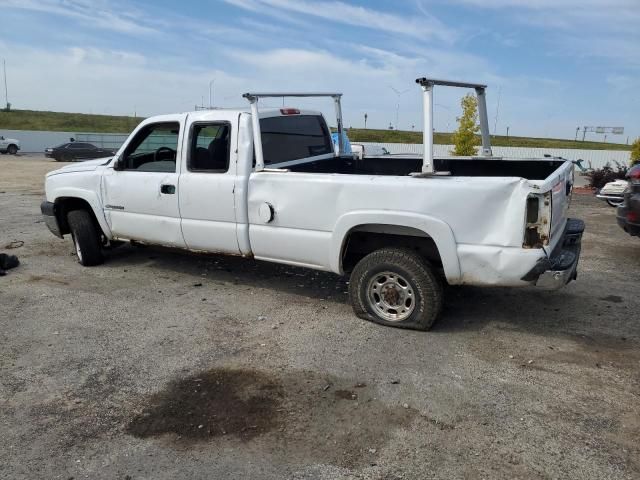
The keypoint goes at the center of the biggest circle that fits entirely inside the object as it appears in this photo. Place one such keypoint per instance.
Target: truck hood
(87, 166)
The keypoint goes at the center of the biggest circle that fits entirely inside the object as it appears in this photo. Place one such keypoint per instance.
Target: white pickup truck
(9, 145)
(267, 184)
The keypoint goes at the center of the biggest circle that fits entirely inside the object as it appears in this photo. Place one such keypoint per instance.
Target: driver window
(153, 149)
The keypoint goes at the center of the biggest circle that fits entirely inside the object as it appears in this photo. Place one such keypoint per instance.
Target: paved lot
(161, 365)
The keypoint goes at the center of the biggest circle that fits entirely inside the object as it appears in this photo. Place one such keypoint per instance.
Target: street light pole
(211, 92)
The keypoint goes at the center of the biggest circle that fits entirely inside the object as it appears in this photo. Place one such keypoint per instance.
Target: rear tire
(615, 203)
(86, 238)
(397, 288)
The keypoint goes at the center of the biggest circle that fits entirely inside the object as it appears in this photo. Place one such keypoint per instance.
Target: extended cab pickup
(267, 184)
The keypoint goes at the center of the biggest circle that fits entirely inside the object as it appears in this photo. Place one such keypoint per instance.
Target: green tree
(635, 151)
(465, 139)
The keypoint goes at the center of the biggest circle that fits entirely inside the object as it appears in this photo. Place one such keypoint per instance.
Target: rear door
(140, 199)
(207, 187)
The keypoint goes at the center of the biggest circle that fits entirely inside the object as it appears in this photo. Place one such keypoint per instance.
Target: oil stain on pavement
(311, 416)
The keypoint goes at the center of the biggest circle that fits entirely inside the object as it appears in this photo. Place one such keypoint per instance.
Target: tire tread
(86, 233)
(427, 282)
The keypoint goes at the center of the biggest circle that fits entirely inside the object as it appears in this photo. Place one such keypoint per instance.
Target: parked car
(628, 214)
(359, 150)
(9, 145)
(77, 151)
(268, 185)
(613, 192)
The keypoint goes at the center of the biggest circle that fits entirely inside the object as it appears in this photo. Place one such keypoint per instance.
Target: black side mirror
(118, 164)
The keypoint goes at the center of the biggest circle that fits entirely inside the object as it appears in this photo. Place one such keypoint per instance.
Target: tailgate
(561, 185)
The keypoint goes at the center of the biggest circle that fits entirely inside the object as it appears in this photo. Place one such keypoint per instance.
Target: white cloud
(340, 12)
(607, 29)
(99, 14)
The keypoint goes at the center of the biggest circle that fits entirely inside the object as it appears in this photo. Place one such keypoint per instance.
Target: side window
(153, 149)
(209, 147)
(286, 138)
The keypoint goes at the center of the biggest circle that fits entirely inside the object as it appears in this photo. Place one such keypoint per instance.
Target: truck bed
(402, 165)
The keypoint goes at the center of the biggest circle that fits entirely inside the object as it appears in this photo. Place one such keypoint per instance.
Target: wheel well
(364, 239)
(64, 205)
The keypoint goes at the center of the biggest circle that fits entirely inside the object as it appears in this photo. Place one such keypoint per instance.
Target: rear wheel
(395, 287)
(86, 237)
(615, 203)
(12, 150)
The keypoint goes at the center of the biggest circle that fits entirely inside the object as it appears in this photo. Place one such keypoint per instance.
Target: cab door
(140, 193)
(207, 187)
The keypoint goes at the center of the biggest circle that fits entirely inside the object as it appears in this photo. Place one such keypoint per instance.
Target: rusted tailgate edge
(560, 267)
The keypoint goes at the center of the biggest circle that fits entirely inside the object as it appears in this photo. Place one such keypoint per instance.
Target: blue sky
(553, 64)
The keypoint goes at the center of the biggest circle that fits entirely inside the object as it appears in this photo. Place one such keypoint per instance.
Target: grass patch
(66, 122)
(83, 122)
(399, 136)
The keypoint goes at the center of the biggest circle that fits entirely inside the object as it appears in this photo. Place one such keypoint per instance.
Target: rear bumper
(610, 196)
(561, 266)
(628, 215)
(48, 210)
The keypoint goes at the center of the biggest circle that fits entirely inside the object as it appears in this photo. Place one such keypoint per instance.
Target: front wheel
(12, 150)
(615, 203)
(395, 287)
(86, 237)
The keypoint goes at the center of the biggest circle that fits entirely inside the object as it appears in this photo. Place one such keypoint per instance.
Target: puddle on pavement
(301, 414)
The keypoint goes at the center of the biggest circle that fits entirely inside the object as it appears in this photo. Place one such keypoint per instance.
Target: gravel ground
(164, 365)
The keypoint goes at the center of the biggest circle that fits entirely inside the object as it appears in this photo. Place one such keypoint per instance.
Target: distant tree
(465, 139)
(635, 151)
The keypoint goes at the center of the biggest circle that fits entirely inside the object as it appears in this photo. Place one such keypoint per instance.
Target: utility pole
(577, 130)
(365, 120)
(211, 93)
(584, 133)
(507, 132)
(6, 94)
(495, 124)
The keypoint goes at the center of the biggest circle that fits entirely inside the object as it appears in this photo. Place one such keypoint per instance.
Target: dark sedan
(628, 214)
(77, 151)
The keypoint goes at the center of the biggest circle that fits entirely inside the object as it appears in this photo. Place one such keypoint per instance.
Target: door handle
(168, 189)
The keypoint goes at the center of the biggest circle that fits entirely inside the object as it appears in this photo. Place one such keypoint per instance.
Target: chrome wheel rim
(391, 296)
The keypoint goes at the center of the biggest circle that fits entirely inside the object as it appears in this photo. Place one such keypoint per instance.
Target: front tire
(86, 238)
(12, 150)
(397, 288)
(615, 203)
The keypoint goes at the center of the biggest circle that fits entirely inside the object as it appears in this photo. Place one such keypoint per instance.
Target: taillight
(289, 111)
(537, 228)
(634, 175)
(633, 217)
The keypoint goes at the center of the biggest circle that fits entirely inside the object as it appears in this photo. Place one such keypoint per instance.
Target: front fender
(438, 230)
(88, 196)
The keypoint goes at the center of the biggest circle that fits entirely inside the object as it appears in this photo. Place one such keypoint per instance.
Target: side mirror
(118, 164)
